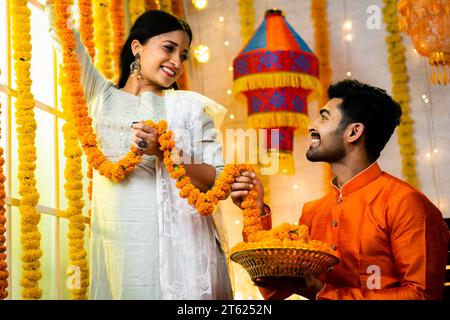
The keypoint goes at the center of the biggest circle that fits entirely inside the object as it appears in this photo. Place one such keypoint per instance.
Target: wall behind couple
(365, 56)
(357, 45)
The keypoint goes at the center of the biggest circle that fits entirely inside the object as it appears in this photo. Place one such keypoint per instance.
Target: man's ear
(354, 132)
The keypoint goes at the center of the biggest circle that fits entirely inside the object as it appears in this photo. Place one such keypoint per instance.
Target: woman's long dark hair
(149, 24)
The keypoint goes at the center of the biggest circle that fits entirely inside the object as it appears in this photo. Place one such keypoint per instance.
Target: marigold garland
(74, 195)
(322, 44)
(3, 264)
(87, 26)
(103, 38)
(151, 5)
(400, 91)
(87, 35)
(247, 13)
(265, 181)
(165, 5)
(177, 8)
(322, 50)
(206, 202)
(26, 127)
(119, 32)
(283, 236)
(136, 8)
(114, 171)
(203, 202)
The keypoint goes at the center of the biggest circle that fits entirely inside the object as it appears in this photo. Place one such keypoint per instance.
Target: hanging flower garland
(322, 44)
(3, 264)
(206, 202)
(114, 171)
(118, 26)
(74, 195)
(203, 202)
(103, 38)
(250, 213)
(151, 5)
(87, 26)
(400, 92)
(165, 5)
(177, 8)
(247, 13)
(322, 50)
(87, 37)
(26, 127)
(136, 8)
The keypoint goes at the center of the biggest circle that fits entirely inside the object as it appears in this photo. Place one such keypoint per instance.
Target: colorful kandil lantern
(428, 24)
(276, 71)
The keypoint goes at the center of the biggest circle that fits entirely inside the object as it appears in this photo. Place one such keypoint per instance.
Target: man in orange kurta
(391, 240)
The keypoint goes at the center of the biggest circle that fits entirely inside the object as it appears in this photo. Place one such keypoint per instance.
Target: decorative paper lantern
(276, 71)
(428, 24)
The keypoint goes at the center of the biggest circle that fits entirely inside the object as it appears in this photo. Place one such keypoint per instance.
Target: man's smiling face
(326, 134)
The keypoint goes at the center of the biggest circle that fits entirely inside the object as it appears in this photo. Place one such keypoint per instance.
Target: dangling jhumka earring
(135, 67)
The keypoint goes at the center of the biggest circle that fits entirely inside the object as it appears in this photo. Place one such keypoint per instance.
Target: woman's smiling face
(162, 57)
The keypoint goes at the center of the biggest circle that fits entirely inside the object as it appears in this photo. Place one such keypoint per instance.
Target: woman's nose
(176, 61)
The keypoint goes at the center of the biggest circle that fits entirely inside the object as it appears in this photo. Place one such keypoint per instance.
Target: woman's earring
(135, 67)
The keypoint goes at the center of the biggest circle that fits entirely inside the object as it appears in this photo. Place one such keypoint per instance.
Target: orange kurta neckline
(360, 180)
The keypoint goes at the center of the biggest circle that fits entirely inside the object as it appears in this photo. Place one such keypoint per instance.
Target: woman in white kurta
(146, 242)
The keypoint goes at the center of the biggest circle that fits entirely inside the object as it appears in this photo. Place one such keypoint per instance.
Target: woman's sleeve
(207, 148)
(91, 79)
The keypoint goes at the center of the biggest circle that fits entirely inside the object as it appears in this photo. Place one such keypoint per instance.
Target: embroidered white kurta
(146, 242)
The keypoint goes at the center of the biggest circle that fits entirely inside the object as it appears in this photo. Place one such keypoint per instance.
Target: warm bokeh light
(200, 4)
(347, 25)
(201, 53)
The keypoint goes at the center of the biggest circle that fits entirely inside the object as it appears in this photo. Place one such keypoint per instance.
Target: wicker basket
(283, 262)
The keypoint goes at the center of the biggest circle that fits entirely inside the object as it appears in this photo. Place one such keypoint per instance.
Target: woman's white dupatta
(192, 262)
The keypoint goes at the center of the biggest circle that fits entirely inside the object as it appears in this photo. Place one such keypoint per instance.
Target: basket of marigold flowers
(280, 252)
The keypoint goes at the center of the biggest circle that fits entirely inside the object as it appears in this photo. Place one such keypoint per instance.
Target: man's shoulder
(398, 186)
(399, 192)
(318, 203)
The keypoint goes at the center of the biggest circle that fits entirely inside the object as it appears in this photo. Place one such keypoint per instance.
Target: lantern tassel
(276, 80)
(278, 119)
